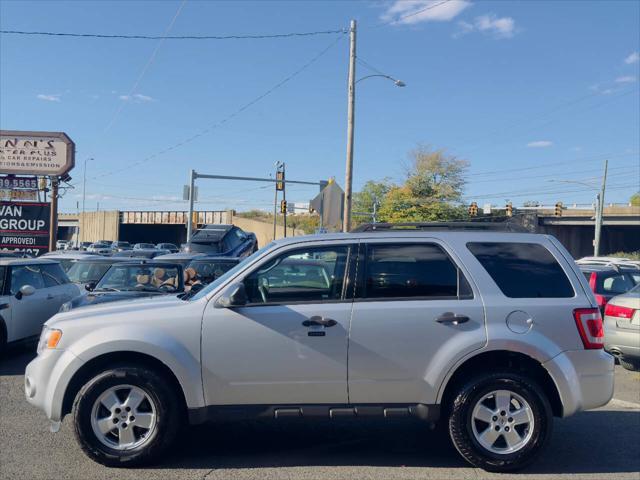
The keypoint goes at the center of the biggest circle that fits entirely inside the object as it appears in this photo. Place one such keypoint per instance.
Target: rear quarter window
(523, 270)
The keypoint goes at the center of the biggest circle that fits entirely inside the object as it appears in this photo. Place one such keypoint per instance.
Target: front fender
(181, 359)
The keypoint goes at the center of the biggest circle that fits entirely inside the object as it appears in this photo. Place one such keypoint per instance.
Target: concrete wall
(264, 230)
(96, 226)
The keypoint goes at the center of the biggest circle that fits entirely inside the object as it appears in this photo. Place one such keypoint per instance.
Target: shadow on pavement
(601, 441)
(14, 360)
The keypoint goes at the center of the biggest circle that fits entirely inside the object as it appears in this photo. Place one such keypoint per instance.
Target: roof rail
(447, 226)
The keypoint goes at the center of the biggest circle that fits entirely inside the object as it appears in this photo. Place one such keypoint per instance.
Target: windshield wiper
(106, 289)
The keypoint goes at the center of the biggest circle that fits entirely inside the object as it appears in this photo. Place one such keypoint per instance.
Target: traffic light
(558, 211)
(283, 206)
(509, 209)
(473, 209)
(280, 178)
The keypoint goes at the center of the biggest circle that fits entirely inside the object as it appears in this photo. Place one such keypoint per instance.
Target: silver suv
(492, 333)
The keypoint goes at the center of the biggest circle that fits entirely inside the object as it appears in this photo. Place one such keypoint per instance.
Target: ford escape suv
(493, 334)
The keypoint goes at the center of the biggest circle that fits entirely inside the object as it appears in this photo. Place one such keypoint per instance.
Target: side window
(406, 270)
(53, 275)
(22, 275)
(230, 241)
(312, 275)
(523, 270)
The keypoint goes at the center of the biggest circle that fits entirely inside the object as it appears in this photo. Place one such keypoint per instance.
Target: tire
(629, 363)
(466, 429)
(160, 410)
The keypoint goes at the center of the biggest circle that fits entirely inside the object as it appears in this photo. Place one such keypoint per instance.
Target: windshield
(230, 273)
(85, 272)
(146, 278)
(206, 271)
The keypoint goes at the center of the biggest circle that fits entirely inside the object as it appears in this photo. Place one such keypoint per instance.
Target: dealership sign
(25, 227)
(36, 153)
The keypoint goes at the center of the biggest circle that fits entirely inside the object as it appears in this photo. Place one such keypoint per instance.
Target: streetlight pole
(351, 99)
(600, 212)
(84, 181)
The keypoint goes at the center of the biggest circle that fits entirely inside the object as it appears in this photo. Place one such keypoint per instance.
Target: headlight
(65, 307)
(49, 338)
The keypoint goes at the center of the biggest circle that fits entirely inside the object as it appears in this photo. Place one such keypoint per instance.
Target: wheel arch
(111, 359)
(502, 359)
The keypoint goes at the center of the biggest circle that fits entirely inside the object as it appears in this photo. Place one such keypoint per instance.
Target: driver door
(288, 344)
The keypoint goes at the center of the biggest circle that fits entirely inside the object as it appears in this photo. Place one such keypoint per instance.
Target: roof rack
(447, 226)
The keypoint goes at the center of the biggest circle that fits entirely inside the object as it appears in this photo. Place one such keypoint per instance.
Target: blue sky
(529, 92)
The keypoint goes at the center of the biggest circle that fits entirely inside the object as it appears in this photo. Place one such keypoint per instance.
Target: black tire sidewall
(631, 364)
(460, 423)
(166, 409)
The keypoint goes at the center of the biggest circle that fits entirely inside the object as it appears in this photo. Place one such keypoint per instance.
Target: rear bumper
(619, 340)
(584, 379)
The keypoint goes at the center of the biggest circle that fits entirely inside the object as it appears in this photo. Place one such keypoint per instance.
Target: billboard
(36, 153)
(25, 227)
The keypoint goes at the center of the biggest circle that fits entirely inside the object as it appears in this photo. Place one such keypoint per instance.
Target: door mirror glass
(234, 296)
(25, 291)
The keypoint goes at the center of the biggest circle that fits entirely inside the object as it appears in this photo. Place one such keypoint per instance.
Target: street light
(351, 99)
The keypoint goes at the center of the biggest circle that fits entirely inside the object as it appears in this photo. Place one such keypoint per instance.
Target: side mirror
(89, 287)
(196, 288)
(234, 296)
(25, 291)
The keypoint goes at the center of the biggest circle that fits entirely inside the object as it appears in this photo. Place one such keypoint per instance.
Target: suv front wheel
(500, 422)
(126, 416)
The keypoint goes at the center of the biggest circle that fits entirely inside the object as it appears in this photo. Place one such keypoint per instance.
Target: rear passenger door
(415, 313)
(58, 286)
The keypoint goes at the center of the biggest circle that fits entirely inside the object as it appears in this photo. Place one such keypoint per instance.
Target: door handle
(50, 297)
(319, 321)
(452, 318)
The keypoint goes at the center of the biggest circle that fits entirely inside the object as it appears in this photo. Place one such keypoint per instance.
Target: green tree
(372, 192)
(431, 192)
(635, 199)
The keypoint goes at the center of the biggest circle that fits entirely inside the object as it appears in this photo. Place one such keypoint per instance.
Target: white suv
(492, 333)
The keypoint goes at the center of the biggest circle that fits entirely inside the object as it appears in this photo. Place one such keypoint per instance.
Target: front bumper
(46, 379)
(584, 379)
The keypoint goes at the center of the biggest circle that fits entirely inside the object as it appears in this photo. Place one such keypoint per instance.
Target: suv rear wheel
(632, 364)
(126, 416)
(500, 422)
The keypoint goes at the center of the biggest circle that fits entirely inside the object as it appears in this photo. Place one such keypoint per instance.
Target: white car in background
(31, 292)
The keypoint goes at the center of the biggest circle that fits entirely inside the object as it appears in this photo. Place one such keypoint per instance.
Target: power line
(174, 37)
(146, 67)
(408, 15)
(230, 116)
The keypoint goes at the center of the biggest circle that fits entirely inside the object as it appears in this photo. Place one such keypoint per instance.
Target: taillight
(618, 311)
(589, 323)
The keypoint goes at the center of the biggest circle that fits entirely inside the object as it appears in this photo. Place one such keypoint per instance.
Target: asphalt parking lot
(603, 443)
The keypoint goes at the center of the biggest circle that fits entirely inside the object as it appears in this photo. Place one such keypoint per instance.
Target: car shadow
(15, 358)
(589, 442)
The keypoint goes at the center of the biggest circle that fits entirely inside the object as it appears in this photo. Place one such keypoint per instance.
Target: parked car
(168, 246)
(131, 280)
(492, 333)
(67, 258)
(91, 268)
(607, 281)
(207, 268)
(84, 245)
(622, 328)
(31, 291)
(120, 246)
(143, 246)
(61, 244)
(222, 240)
(141, 253)
(101, 248)
(620, 261)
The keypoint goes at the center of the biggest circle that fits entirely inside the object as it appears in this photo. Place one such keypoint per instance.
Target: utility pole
(600, 212)
(279, 186)
(53, 214)
(348, 181)
(284, 199)
(192, 181)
